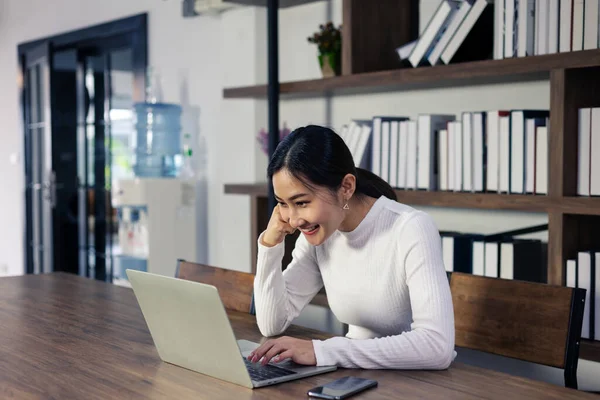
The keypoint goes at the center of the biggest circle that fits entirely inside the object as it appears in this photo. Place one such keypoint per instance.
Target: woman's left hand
(280, 349)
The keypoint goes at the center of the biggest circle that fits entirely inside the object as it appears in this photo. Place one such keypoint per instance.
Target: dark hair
(316, 155)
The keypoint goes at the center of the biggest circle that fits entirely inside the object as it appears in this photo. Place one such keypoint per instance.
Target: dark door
(69, 111)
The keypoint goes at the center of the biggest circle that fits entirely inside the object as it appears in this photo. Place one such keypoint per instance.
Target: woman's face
(317, 214)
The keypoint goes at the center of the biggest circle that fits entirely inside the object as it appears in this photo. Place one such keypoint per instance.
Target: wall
(189, 55)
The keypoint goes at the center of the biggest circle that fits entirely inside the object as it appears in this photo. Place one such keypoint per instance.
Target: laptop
(190, 329)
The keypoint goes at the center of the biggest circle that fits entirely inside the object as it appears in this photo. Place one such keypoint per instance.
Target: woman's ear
(348, 186)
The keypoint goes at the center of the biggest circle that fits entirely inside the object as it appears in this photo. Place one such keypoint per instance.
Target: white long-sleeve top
(385, 279)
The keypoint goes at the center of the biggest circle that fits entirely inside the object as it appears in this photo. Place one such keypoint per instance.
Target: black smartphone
(342, 388)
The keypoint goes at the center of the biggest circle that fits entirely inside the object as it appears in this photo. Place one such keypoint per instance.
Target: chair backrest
(528, 321)
(235, 288)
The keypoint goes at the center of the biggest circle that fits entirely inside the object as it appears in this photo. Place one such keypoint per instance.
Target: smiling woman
(380, 263)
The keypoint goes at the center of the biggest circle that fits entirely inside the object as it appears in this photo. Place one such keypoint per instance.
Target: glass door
(104, 142)
(91, 156)
(40, 181)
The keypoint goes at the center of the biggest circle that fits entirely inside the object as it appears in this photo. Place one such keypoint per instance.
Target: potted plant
(329, 42)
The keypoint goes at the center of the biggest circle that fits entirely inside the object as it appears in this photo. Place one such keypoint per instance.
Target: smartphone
(342, 388)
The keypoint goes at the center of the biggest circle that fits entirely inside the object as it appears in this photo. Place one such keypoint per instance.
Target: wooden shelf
(580, 205)
(590, 350)
(490, 201)
(478, 72)
(263, 3)
(485, 201)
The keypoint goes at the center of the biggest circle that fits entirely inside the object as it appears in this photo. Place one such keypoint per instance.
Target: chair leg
(574, 337)
(571, 377)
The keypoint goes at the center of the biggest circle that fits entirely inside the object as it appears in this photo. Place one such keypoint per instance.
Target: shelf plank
(579, 205)
(478, 72)
(263, 3)
(590, 350)
(490, 201)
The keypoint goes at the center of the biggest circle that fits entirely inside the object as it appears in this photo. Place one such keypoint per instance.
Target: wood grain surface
(66, 337)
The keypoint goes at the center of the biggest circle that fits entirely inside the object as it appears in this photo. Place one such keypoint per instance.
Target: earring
(346, 207)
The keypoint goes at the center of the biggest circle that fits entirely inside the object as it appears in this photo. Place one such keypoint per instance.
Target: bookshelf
(574, 79)
(469, 73)
(484, 201)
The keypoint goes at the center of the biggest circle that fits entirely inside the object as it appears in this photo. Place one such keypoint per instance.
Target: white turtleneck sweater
(385, 279)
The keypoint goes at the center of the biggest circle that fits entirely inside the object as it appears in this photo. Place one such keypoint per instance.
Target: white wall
(189, 55)
(244, 42)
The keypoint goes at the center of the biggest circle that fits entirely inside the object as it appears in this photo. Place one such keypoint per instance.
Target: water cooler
(157, 224)
(157, 209)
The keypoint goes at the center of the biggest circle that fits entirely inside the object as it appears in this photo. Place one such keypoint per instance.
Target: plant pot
(331, 64)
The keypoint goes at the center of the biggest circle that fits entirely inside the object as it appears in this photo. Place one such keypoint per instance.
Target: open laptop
(190, 328)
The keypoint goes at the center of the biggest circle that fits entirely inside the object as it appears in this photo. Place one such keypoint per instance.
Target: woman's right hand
(276, 230)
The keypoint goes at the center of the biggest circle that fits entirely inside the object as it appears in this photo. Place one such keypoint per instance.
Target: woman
(380, 262)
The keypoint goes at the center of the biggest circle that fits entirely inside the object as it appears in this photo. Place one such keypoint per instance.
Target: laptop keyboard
(259, 372)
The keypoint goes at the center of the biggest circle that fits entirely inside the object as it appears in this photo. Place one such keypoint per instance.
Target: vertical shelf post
(570, 89)
(273, 85)
(556, 248)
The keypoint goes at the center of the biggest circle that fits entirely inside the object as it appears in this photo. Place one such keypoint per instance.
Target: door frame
(134, 28)
(39, 198)
(136, 25)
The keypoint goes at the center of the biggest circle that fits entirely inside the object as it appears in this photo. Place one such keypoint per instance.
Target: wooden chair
(235, 288)
(528, 321)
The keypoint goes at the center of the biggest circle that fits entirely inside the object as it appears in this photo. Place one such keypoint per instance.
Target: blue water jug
(158, 127)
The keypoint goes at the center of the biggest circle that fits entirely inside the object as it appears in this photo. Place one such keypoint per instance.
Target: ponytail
(369, 184)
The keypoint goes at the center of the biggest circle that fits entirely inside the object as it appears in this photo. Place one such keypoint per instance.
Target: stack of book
(457, 31)
(588, 168)
(518, 259)
(469, 30)
(535, 27)
(499, 151)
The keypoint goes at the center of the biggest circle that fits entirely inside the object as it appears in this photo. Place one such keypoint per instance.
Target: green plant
(328, 39)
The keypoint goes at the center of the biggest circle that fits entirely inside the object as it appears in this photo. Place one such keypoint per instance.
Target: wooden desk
(65, 337)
